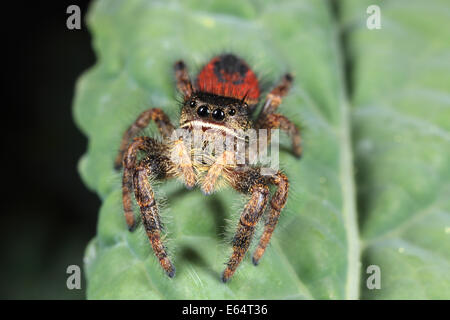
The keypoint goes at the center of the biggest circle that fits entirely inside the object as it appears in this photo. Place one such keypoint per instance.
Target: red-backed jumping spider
(222, 99)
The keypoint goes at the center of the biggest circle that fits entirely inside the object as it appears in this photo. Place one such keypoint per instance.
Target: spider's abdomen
(229, 76)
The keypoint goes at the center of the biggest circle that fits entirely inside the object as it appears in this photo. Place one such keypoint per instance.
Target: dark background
(48, 215)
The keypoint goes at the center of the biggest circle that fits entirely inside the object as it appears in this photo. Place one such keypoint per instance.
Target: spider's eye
(203, 111)
(232, 111)
(218, 114)
(192, 103)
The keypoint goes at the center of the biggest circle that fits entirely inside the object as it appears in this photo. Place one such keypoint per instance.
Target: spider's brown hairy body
(219, 105)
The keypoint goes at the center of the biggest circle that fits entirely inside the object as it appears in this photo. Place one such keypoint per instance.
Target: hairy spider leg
(150, 215)
(268, 119)
(246, 228)
(277, 203)
(156, 164)
(278, 121)
(158, 116)
(183, 82)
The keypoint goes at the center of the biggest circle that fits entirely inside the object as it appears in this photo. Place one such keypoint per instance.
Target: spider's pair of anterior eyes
(217, 114)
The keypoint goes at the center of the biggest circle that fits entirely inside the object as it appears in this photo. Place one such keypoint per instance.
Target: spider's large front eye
(203, 111)
(218, 114)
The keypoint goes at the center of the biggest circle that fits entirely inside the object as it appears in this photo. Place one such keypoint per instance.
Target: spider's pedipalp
(183, 164)
(223, 161)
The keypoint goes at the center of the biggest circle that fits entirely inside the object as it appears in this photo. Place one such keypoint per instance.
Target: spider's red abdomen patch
(229, 76)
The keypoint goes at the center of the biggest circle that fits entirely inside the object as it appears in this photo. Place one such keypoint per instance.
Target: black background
(48, 215)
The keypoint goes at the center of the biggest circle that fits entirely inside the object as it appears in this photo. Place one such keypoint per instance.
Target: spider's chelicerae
(221, 101)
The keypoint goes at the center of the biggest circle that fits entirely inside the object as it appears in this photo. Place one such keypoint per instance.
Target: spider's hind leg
(184, 84)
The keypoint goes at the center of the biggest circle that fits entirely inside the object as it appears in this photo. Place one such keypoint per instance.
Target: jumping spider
(223, 97)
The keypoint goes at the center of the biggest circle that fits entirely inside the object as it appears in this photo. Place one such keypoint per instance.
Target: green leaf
(386, 118)
(401, 123)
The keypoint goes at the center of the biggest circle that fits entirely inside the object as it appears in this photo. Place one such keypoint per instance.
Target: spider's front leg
(158, 116)
(252, 181)
(268, 119)
(249, 218)
(277, 203)
(143, 144)
(165, 128)
(159, 166)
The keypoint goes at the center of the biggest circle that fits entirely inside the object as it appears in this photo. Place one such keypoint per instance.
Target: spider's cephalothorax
(220, 102)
